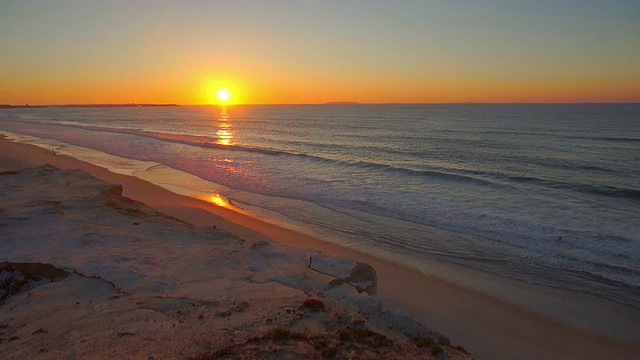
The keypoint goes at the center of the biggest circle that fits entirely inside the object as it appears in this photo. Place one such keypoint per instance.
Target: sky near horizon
(263, 52)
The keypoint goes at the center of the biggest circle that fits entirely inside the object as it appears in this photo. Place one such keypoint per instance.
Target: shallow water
(548, 194)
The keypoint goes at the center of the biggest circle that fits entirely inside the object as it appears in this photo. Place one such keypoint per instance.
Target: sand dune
(88, 273)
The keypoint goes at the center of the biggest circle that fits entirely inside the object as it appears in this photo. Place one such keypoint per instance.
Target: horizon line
(343, 103)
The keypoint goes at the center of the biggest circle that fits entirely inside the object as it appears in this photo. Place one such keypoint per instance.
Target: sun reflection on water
(224, 131)
(217, 199)
(225, 167)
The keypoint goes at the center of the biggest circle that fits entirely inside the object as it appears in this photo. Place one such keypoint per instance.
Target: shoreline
(486, 326)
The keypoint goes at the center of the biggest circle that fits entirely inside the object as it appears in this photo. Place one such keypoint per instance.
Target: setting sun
(223, 94)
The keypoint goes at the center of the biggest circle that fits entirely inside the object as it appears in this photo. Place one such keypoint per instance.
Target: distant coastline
(7, 106)
(27, 106)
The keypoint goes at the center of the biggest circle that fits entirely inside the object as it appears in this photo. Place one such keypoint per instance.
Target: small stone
(313, 304)
(115, 190)
(364, 274)
(39, 332)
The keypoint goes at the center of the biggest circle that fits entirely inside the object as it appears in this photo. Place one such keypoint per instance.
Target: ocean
(547, 194)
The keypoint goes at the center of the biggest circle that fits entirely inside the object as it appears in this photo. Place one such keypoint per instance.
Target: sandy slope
(139, 284)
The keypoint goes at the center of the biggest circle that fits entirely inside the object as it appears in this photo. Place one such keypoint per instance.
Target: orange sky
(303, 52)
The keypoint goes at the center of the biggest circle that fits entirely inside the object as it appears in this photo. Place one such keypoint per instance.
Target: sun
(223, 94)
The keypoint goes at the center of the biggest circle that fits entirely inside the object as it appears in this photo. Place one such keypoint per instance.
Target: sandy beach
(162, 254)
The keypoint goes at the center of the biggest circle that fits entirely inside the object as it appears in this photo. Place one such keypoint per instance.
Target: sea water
(543, 193)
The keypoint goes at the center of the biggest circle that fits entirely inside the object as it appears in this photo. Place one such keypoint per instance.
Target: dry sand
(89, 274)
(489, 328)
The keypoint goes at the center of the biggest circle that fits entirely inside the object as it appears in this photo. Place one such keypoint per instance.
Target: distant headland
(7, 106)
